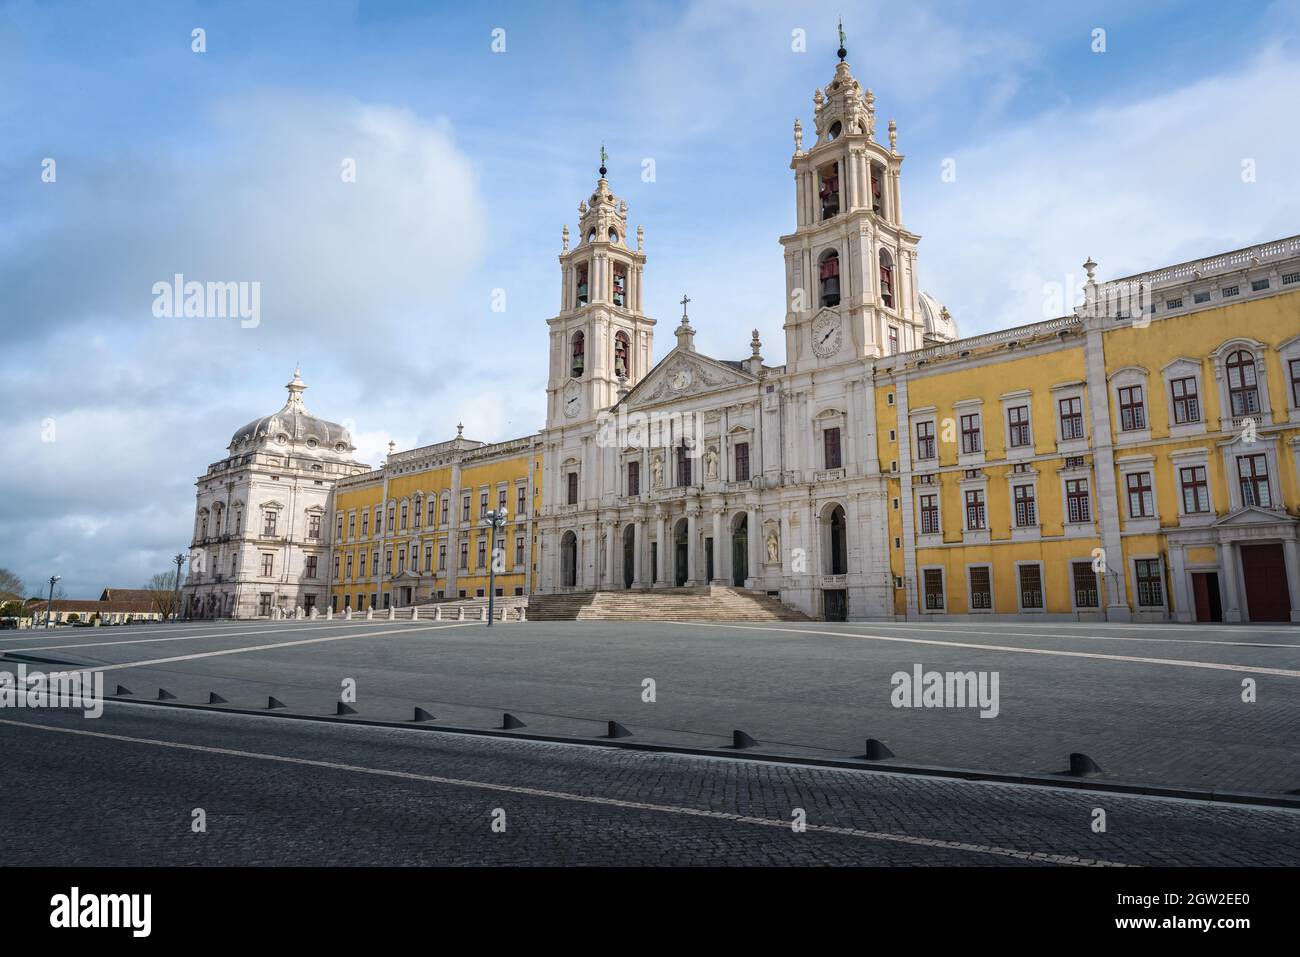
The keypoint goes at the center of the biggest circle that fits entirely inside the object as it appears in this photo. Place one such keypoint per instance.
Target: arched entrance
(680, 532)
(835, 545)
(629, 555)
(569, 560)
(740, 550)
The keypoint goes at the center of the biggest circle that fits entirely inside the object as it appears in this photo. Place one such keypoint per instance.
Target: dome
(293, 427)
(939, 323)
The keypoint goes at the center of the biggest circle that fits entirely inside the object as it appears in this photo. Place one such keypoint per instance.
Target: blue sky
(225, 165)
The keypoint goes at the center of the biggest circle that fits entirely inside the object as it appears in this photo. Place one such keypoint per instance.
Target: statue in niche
(657, 471)
(773, 547)
(711, 463)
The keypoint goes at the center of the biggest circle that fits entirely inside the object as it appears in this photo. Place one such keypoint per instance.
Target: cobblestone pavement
(122, 790)
(1151, 704)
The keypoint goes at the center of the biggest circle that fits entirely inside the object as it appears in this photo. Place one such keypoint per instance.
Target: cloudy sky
(226, 165)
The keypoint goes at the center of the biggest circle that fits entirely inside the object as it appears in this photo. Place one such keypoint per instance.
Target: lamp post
(179, 559)
(494, 520)
(53, 580)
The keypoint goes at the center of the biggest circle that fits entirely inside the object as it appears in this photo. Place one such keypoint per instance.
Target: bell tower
(850, 264)
(600, 340)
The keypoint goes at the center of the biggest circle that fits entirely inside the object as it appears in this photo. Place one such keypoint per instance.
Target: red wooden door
(1263, 570)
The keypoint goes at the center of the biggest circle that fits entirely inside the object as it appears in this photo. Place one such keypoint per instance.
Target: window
(633, 478)
(443, 516)
(829, 275)
(374, 564)
(392, 518)
(1200, 297)
(579, 349)
(337, 558)
(683, 465)
(829, 190)
(313, 525)
(365, 523)
(831, 445)
(1196, 490)
(442, 558)
(933, 578)
(519, 550)
(501, 500)
(1031, 586)
(309, 567)
(482, 504)
(1071, 418)
(482, 553)
(970, 433)
(464, 555)
(893, 340)
(1026, 513)
(620, 299)
(1229, 291)
(234, 565)
(264, 603)
(1139, 495)
(401, 560)
(572, 490)
(929, 514)
(464, 507)
(886, 279)
(416, 511)
(975, 509)
(432, 502)
(405, 513)
(1132, 413)
(925, 441)
(428, 558)
(621, 366)
(1018, 426)
(268, 564)
(1243, 388)
(1085, 585)
(1258, 285)
(1187, 405)
(981, 588)
(742, 461)
(268, 523)
(388, 562)
(1252, 473)
(361, 566)
(349, 564)
(1150, 583)
(1076, 500)
(521, 500)
(1294, 366)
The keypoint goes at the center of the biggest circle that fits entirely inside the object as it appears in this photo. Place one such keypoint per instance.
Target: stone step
(702, 603)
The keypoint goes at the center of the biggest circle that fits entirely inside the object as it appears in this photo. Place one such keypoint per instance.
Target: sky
(1138, 134)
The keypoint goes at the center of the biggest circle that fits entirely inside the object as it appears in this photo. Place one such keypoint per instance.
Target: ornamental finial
(604, 158)
(841, 52)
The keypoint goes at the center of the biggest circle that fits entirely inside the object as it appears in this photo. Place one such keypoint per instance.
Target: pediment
(1253, 515)
(681, 374)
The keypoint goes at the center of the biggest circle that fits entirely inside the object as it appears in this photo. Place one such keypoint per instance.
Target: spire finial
(604, 158)
(685, 299)
(841, 52)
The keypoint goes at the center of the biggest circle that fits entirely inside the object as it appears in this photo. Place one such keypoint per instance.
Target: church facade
(1137, 458)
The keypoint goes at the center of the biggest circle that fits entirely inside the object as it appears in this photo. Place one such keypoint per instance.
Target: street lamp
(494, 520)
(53, 580)
(176, 606)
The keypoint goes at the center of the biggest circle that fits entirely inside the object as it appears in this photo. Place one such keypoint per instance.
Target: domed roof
(294, 427)
(939, 323)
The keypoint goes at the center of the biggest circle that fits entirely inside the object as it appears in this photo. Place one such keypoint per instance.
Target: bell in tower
(601, 340)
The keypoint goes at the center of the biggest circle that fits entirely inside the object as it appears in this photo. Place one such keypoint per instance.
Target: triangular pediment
(682, 373)
(1253, 515)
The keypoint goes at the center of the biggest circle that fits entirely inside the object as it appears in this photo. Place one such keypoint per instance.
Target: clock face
(572, 399)
(827, 335)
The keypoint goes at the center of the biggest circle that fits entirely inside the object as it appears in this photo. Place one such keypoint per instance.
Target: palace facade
(1135, 459)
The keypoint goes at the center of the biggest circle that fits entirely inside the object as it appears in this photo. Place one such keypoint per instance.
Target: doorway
(1263, 571)
(629, 555)
(740, 552)
(679, 554)
(1205, 595)
(835, 604)
(569, 560)
(708, 559)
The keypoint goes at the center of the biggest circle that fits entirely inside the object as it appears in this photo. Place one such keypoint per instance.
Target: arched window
(886, 279)
(583, 289)
(621, 367)
(620, 284)
(829, 275)
(829, 189)
(877, 201)
(579, 357)
(1243, 387)
(418, 512)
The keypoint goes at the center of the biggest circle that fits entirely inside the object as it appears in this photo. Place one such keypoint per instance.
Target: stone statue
(657, 471)
(772, 547)
(711, 462)
(798, 137)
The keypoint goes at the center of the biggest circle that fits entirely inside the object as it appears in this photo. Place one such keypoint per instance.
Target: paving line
(143, 641)
(1172, 662)
(279, 644)
(1082, 637)
(170, 634)
(1032, 857)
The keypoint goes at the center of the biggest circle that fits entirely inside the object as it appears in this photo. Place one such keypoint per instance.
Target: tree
(11, 586)
(163, 589)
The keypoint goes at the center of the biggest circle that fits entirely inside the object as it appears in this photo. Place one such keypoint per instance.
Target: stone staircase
(707, 603)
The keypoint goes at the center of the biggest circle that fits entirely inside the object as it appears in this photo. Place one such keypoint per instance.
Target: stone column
(692, 558)
(756, 547)
(1228, 582)
(718, 550)
(611, 529)
(659, 546)
(638, 543)
(1184, 609)
(1291, 551)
